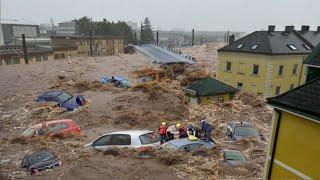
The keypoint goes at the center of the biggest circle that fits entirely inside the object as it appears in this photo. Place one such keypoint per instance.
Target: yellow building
(10, 55)
(208, 90)
(294, 149)
(265, 62)
(68, 46)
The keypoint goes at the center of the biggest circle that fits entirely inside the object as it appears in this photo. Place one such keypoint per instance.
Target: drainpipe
(274, 143)
(301, 72)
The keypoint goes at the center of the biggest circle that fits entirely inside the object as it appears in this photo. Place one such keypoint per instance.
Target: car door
(54, 128)
(120, 141)
(102, 142)
(63, 129)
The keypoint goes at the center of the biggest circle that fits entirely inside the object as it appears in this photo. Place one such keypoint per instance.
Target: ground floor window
(56, 56)
(278, 89)
(239, 86)
(221, 100)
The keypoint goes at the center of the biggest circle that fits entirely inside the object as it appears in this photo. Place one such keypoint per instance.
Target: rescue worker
(171, 131)
(182, 131)
(193, 130)
(163, 132)
(206, 129)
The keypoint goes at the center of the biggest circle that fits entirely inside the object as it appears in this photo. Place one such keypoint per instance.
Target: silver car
(184, 144)
(122, 139)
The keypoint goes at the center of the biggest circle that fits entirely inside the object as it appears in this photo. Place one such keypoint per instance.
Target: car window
(54, 127)
(63, 97)
(234, 156)
(64, 126)
(194, 146)
(245, 131)
(148, 138)
(40, 157)
(183, 148)
(102, 141)
(28, 132)
(120, 139)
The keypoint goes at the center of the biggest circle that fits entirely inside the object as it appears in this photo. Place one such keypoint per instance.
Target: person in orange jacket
(163, 132)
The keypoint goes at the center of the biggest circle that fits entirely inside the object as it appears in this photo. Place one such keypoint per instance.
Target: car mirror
(59, 104)
(40, 132)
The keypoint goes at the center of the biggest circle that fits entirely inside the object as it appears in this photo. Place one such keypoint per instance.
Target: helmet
(163, 123)
(178, 125)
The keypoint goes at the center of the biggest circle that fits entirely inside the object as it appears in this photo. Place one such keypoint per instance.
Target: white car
(122, 139)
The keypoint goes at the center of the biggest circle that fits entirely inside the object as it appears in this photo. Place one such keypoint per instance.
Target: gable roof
(303, 100)
(276, 42)
(209, 86)
(314, 57)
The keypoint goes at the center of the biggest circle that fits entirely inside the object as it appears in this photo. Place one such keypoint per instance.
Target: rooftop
(209, 86)
(303, 100)
(314, 57)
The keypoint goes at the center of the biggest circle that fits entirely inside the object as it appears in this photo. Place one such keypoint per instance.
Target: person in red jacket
(163, 132)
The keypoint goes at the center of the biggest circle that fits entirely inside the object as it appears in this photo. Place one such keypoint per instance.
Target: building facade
(66, 28)
(312, 63)
(265, 62)
(9, 32)
(293, 149)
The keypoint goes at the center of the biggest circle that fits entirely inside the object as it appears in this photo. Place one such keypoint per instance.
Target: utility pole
(192, 38)
(90, 37)
(25, 51)
(157, 37)
(201, 40)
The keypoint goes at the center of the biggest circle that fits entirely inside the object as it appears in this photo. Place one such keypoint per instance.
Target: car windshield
(40, 157)
(148, 138)
(245, 131)
(234, 156)
(64, 97)
(28, 132)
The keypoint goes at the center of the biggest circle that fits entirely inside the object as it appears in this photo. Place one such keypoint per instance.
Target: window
(306, 46)
(54, 127)
(240, 46)
(120, 139)
(241, 68)
(103, 141)
(228, 67)
(44, 58)
(254, 46)
(278, 88)
(255, 69)
(239, 86)
(221, 100)
(62, 55)
(56, 56)
(64, 126)
(291, 86)
(280, 72)
(149, 138)
(294, 69)
(292, 47)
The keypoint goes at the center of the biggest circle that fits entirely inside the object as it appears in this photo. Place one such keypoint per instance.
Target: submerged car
(63, 99)
(184, 144)
(40, 161)
(55, 128)
(239, 130)
(122, 139)
(118, 80)
(233, 157)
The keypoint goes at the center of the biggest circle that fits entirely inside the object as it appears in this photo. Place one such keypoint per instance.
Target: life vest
(162, 130)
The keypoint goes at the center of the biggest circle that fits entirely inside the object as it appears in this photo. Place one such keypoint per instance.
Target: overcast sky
(236, 15)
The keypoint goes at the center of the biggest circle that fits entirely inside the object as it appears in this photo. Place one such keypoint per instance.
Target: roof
(131, 132)
(271, 43)
(52, 93)
(303, 100)
(84, 37)
(184, 141)
(209, 86)
(314, 57)
(51, 122)
(312, 36)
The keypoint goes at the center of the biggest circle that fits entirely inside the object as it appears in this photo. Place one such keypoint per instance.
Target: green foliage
(107, 28)
(146, 32)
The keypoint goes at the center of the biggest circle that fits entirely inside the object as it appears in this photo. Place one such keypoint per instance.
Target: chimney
(271, 28)
(289, 29)
(318, 29)
(231, 39)
(305, 28)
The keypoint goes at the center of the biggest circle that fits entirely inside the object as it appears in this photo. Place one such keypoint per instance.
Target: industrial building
(266, 62)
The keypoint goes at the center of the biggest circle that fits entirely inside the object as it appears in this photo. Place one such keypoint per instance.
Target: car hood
(237, 138)
(71, 104)
(43, 164)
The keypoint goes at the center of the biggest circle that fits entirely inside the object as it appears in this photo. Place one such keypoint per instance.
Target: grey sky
(238, 15)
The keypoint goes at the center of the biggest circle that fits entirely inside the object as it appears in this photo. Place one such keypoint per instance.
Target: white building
(66, 28)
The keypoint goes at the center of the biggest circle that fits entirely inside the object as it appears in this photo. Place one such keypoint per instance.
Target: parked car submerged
(184, 144)
(118, 80)
(122, 139)
(239, 130)
(40, 161)
(55, 128)
(233, 157)
(63, 99)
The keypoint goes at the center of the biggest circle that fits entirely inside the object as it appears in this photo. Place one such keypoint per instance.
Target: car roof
(51, 122)
(241, 124)
(184, 141)
(52, 93)
(39, 152)
(131, 132)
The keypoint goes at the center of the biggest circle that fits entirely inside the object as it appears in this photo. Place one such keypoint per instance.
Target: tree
(135, 39)
(146, 32)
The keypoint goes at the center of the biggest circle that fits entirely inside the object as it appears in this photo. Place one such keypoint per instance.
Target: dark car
(63, 99)
(233, 157)
(184, 144)
(239, 130)
(40, 161)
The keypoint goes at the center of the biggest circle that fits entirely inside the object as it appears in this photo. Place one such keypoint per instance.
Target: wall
(267, 80)
(20, 60)
(297, 151)
(204, 100)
